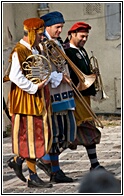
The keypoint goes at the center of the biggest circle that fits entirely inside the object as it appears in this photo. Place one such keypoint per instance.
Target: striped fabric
(88, 134)
(31, 138)
(64, 130)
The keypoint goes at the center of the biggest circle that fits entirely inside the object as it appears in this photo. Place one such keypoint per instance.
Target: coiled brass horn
(58, 57)
(100, 93)
(36, 68)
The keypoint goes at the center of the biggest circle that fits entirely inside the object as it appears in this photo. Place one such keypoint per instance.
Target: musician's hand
(41, 84)
(96, 71)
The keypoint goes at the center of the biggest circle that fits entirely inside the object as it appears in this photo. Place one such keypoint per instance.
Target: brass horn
(100, 93)
(85, 81)
(36, 68)
(59, 58)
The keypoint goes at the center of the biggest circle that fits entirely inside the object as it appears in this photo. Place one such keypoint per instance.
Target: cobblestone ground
(74, 163)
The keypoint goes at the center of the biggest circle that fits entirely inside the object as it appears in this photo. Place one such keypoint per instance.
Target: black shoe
(39, 183)
(72, 146)
(96, 168)
(60, 177)
(17, 168)
(45, 167)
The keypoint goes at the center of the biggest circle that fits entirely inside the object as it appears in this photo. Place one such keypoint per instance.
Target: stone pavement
(74, 163)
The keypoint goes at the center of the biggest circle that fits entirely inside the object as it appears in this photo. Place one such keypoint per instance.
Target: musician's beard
(81, 44)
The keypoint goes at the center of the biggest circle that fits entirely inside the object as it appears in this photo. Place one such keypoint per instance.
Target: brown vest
(20, 101)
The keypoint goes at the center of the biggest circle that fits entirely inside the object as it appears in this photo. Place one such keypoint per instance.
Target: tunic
(63, 104)
(31, 113)
(87, 133)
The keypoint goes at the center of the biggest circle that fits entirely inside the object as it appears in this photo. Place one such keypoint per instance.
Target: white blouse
(16, 76)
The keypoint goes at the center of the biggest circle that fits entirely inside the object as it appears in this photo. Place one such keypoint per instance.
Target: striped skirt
(31, 136)
(64, 130)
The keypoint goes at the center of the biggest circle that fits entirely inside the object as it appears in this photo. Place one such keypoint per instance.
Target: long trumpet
(85, 81)
(58, 57)
(100, 93)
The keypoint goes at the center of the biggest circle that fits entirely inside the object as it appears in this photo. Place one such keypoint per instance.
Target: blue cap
(52, 18)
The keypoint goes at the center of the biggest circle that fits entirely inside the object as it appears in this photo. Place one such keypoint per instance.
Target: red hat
(79, 27)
